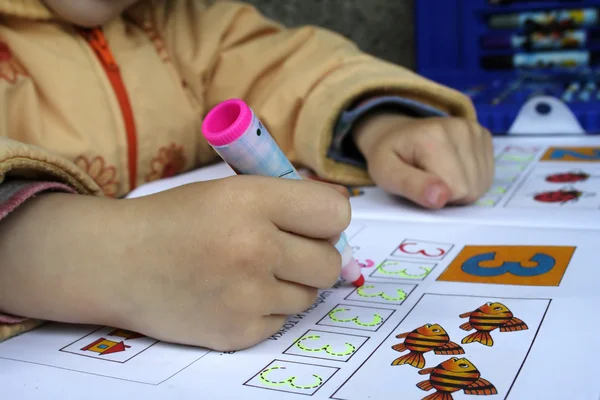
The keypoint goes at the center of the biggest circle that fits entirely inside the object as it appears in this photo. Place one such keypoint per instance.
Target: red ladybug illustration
(568, 177)
(558, 196)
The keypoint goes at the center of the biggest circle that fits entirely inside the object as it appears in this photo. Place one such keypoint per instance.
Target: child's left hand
(431, 161)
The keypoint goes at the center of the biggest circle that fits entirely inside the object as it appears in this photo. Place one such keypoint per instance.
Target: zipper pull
(96, 39)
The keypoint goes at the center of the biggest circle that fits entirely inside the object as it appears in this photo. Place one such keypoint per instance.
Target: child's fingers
(270, 325)
(487, 154)
(251, 334)
(398, 177)
(468, 154)
(305, 208)
(346, 193)
(341, 189)
(310, 262)
(439, 156)
(483, 156)
(290, 298)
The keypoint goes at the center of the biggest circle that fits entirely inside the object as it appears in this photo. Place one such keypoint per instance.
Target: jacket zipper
(95, 37)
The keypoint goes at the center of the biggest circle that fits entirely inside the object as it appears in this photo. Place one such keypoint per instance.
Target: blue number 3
(559, 154)
(472, 266)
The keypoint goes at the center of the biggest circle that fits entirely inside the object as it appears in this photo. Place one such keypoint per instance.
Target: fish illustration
(453, 375)
(422, 340)
(488, 317)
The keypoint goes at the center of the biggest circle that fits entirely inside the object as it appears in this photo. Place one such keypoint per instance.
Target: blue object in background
(526, 74)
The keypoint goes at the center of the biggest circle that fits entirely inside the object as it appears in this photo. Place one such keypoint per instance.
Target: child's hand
(232, 258)
(431, 161)
(217, 264)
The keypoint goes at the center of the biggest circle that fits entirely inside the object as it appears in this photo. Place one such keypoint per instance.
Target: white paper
(414, 261)
(341, 347)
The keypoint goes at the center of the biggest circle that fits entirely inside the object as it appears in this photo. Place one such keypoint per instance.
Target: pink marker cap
(226, 122)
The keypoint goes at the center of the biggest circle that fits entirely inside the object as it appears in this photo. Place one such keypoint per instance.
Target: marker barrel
(243, 142)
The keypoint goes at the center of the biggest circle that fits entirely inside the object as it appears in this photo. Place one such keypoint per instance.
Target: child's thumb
(416, 185)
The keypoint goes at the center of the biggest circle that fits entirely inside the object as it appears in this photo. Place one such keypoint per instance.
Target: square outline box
(336, 369)
(556, 187)
(362, 364)
(503, 189)
(507, 157)
(438, 258)
(508, 180)
(560, 255)
(593, 154)
(323, 358)
(414, 286)
(104, 359)
(402, 261)
(488, 201)
(521, 149)
(319, 323)
(51, 325)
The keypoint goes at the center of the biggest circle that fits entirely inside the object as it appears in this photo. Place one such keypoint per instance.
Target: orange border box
(571, 154)
(510, 265)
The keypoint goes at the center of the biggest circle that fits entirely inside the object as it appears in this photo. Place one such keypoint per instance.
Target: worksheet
(448, 312)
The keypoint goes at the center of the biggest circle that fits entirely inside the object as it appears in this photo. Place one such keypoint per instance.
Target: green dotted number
(350, 348)
(401, 294)
(377, 319)
(487, 202)
(404, 272)
(291, 381)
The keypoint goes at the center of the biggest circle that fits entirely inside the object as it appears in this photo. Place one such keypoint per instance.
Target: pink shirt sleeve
(12, 195)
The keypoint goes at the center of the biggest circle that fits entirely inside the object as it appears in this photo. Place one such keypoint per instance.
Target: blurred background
(391, 38)
(529, 66)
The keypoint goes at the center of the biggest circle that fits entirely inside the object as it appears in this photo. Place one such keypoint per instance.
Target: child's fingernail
(432, 194)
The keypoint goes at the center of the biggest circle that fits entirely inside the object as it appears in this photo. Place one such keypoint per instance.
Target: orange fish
(488, 317)
(453, 375)
(422, 340)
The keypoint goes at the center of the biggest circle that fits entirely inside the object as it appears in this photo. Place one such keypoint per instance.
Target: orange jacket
(106, 110)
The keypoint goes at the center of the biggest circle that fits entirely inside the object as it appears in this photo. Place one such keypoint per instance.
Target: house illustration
(127, 335)
(104, 346)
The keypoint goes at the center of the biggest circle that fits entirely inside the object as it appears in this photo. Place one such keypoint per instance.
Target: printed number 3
(560, 154)
(291, 381)
(403, 249)
(472, 266)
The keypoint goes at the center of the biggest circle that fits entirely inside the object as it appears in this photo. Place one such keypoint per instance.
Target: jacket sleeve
(298, 80)
(27, 170)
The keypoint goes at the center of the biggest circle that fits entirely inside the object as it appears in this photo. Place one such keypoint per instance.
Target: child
(100, 96)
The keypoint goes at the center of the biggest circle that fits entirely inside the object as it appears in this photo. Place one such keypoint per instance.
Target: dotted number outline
(316, 356)
(263, 376)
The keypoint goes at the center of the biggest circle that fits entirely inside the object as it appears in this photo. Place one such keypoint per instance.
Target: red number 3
(402, 248)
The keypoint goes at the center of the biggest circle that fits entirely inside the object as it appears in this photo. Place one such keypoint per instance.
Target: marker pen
(546, 21)
(563, 60)
(243, 142)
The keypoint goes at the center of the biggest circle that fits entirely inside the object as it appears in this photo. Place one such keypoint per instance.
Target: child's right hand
(217, 264)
